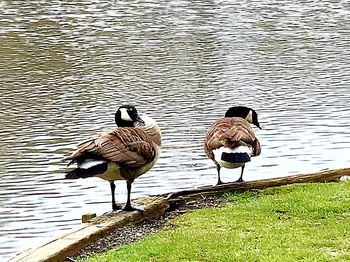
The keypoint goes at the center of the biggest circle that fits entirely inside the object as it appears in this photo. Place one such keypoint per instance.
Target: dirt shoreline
(134, 232)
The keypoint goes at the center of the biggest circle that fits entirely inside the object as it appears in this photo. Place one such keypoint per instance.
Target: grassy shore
(308, 222)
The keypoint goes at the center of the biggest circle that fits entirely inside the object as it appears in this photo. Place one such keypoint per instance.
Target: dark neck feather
(123, 123)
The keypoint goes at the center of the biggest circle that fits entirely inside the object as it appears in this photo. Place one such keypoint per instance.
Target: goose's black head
(127, 116)
(245, 112)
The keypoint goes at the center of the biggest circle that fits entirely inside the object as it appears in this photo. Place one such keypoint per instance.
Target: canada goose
(124, 153)
(230, 141)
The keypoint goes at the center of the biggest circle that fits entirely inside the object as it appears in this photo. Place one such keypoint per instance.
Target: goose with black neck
(123, 153)
(230, 141)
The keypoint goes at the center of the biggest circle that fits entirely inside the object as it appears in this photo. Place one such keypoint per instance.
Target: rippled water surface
(67, 66)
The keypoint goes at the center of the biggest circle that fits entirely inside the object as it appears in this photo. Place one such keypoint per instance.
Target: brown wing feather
(126, 146)
(230, 132)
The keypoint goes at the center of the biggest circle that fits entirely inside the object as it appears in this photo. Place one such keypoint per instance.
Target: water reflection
(66, 67)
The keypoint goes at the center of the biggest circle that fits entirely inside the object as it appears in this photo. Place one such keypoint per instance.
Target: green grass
(304, 222)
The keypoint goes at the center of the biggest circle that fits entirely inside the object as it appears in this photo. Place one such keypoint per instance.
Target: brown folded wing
(230, 132)
(126, 146)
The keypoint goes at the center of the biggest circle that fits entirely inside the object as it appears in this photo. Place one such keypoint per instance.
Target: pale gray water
(66, 67)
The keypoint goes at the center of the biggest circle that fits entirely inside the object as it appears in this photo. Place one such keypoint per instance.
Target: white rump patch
(124, 115)
(90, 163)
(240, 149)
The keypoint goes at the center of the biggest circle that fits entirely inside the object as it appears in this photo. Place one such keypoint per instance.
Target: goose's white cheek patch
(124, 114)
(249, 117)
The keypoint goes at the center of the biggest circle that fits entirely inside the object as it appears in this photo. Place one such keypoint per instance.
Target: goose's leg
(114, 205)
(128, 206)
(240, 179)
(219, 179)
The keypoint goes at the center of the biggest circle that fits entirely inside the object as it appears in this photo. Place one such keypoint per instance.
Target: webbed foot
(134, 207)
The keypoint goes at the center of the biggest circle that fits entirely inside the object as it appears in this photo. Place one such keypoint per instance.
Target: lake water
(67, 66)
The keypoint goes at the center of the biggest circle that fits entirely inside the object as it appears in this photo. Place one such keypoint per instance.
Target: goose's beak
(139, 120)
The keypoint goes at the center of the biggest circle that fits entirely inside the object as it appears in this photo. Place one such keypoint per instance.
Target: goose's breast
(143, 169)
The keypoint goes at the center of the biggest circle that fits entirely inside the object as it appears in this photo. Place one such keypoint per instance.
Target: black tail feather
(235, 157)
(89, 172)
